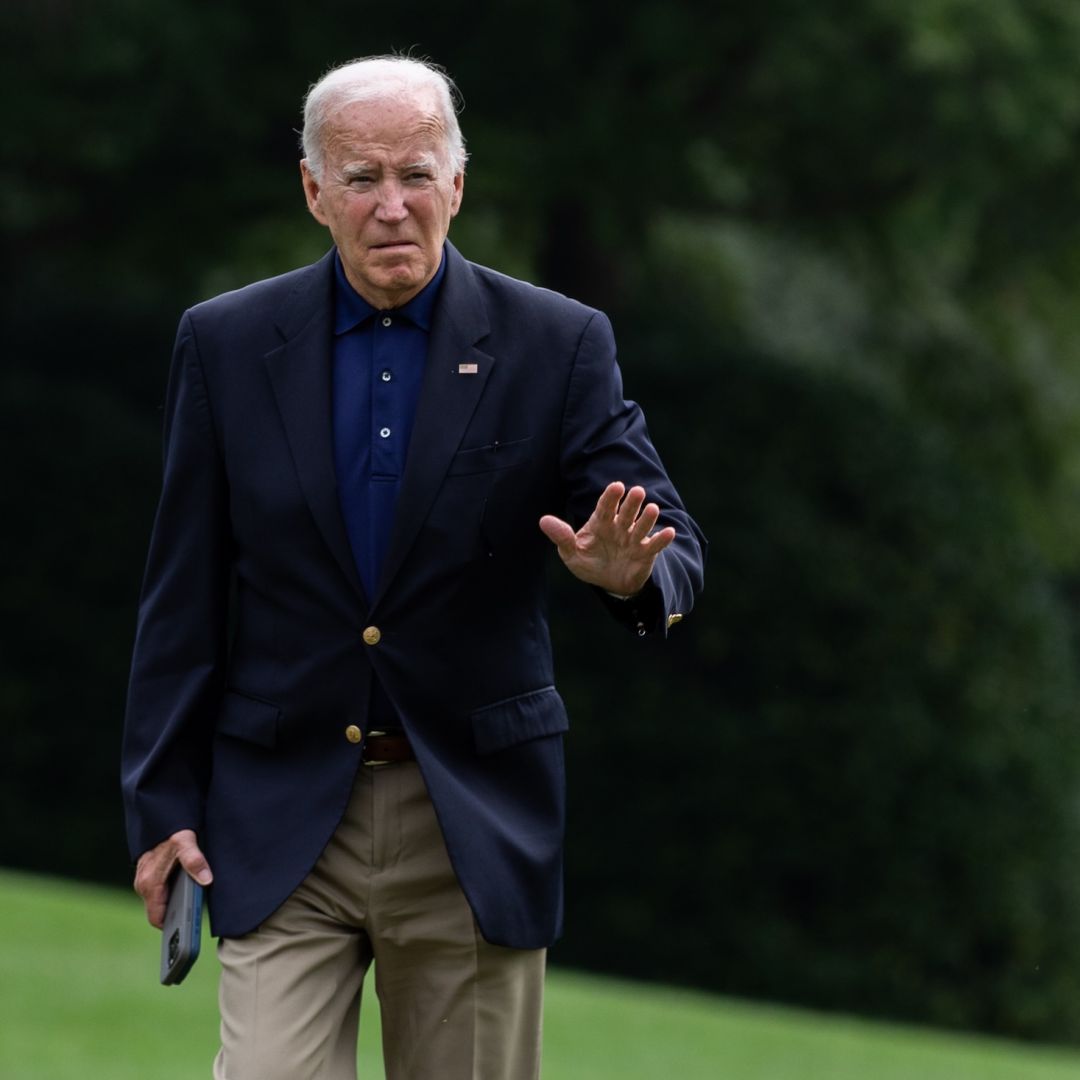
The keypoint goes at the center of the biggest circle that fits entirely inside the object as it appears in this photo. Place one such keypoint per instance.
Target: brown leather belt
(380, 749)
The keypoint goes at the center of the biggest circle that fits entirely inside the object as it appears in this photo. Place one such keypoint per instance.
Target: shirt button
(354, 734)
(372, 635)
(386, 376)
(384, 432)
(387, 320)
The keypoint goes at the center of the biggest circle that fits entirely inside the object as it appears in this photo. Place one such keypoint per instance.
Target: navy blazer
(251, 657)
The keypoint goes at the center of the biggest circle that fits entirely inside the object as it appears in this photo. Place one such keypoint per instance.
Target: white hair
(370, 78)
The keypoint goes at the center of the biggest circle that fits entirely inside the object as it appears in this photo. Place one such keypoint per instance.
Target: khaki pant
(453, 1006)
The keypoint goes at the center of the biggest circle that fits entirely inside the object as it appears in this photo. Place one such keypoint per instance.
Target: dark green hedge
(851, 778)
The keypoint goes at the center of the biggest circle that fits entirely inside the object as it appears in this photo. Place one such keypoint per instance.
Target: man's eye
(360, 179)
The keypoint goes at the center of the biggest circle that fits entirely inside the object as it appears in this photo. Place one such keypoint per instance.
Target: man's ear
(312, 192)
(459, 189)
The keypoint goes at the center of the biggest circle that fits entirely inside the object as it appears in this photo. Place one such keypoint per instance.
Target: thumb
(194, 861)
(558, 532)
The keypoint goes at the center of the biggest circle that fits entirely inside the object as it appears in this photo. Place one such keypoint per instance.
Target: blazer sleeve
(604, 438)
(178, 662)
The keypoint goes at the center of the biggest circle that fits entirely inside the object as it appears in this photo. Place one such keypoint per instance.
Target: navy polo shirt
(379, 359)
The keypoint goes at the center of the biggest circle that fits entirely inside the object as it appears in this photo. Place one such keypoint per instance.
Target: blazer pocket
(496, 455)
(249, 719)
(519, 719)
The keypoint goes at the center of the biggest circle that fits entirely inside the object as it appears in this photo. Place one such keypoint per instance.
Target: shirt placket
(385, 411)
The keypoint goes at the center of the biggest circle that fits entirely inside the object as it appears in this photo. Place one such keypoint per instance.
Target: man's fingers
(630, 507)
(155, 908)
(659, 540)
(151, 883)
(155, 867)
(621, 527)
(639, 522)
(645, 522)
(607, 506)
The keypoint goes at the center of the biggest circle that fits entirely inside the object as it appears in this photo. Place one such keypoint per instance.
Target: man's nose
(391, 206)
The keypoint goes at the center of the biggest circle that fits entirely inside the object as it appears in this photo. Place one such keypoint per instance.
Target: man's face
(387, 194)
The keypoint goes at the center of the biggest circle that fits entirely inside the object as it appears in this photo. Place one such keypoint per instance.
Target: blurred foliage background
(839, 244)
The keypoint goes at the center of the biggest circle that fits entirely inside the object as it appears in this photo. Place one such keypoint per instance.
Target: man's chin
(399, 273)
(394, 286)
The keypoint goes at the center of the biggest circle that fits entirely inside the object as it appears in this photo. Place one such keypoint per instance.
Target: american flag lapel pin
(468, 369)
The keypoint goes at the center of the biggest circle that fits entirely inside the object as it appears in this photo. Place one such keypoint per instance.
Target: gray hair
(370, 78)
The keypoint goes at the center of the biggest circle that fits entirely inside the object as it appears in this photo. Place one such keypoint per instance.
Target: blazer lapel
(300, 372)
(454, 379)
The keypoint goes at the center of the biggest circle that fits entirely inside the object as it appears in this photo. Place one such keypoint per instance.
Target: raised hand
(616, 548)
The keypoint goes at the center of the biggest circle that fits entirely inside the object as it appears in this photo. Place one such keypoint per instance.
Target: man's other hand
(616, 548)
(155, 867)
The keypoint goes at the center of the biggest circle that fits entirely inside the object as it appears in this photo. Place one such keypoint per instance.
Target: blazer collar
(300, 371)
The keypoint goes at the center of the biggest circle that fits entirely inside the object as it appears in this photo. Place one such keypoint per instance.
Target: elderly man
(342, 710)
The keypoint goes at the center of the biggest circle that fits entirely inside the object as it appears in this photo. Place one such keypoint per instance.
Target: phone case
(183, 928)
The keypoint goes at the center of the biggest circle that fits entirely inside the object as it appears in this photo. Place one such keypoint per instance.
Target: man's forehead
(423, 141)
(386, 118)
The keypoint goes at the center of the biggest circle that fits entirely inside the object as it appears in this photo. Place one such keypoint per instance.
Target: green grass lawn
(79, 1000)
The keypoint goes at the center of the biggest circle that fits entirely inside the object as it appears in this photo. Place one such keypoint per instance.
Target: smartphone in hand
(183, 927)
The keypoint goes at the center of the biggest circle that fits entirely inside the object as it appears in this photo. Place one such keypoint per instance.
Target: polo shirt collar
(351, 309)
